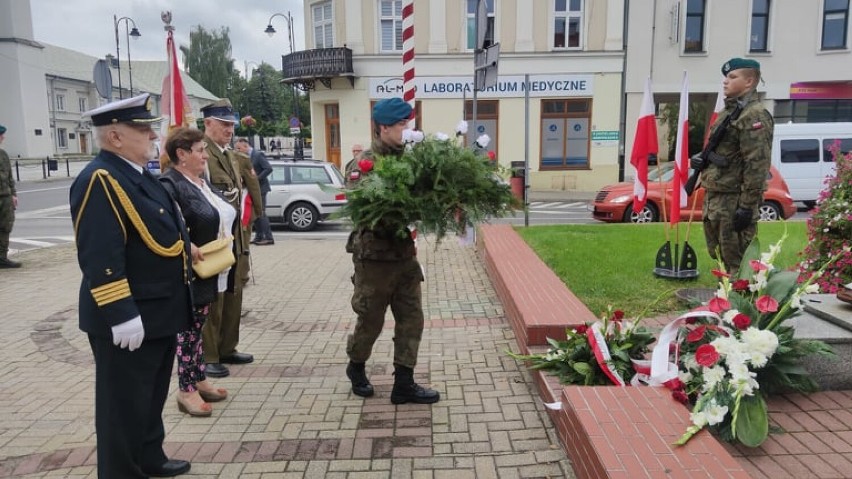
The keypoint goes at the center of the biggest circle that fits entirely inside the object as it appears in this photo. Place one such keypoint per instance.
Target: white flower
(699, 418)
(690, 363)
(722, 292)
(715, 413)
(412, 136)
(712, 377)
(441, 136)
(796, 301)
(461, 128)
(684, 376)
(759, 281)
(760, 341)
(813, 288)
(483, 141)
(727, 346)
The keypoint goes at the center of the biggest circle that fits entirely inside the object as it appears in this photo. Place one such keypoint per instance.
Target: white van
(800, 151)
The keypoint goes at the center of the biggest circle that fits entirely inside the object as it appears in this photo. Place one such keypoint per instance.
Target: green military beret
(391, 110)
(737, 63)
(2, 129)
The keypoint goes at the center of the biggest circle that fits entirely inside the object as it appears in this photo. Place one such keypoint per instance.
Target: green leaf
(752, 426)
(781, 284)
(582, 368)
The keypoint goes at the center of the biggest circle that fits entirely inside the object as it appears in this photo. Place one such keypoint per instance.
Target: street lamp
(128, 33)
(298, 150)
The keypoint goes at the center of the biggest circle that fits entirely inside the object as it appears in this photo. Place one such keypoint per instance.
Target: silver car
(296, 199)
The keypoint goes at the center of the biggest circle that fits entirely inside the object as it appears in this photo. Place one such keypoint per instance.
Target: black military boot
(406, 390)
(7, 263)
(360, 384)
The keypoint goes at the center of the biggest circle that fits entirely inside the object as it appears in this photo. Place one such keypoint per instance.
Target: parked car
(614, 203)
(296, 199)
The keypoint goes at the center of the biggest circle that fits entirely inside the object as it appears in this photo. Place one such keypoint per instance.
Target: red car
(614, 203)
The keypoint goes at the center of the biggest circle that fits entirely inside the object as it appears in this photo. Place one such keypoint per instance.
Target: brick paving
(290, 413)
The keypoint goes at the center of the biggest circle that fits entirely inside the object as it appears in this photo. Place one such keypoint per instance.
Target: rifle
(710, 156)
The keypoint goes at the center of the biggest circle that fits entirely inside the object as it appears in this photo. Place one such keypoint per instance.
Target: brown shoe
(845, 294)
(209, 393)
(188, 403)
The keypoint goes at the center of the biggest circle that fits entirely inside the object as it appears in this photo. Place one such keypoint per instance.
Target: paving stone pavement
(290, 414)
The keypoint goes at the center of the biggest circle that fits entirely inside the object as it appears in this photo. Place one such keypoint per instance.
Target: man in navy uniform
(133, 250)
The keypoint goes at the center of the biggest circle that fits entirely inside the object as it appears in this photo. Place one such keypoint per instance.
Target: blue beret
(737, 63)
(2, 129)
(391, 110)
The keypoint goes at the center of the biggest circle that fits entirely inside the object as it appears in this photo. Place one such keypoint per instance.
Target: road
(43, 218)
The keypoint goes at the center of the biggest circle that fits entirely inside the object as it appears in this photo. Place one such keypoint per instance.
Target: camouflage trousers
(719, 231)
(379, 284)
(7, 219)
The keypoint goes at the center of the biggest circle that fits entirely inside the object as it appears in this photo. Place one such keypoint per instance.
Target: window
(565, 133)
(844, 146)
(835, 19)
(487, 114)
(83, 103)
(812, 111)
(471, 23)
(323, 25)
(60, 102)
(390, 25)
(759, 25)
(310, 175)
(62, 138)
(694, 26)
(567, 24)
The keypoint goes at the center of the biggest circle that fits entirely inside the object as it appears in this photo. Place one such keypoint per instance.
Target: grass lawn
(612, 264)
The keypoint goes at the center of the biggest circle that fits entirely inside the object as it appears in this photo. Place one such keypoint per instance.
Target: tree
(698, 116)
(208, 60)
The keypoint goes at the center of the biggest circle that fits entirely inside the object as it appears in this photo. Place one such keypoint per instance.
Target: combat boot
(360, 384)
(406, 390)
(7, 263)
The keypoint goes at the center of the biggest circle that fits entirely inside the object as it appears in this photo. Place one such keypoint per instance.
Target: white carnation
(712, 377)
(760, 341)
(441, 136)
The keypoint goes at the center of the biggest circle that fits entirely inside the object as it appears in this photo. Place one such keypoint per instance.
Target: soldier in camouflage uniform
(386, 274)
(734, 191)
(8, 203)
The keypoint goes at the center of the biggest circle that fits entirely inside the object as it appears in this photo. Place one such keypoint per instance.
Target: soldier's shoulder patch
(354, 175)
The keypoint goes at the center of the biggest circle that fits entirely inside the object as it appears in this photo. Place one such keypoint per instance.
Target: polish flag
(681, 159)
(175, 106)
(644, 144)
(720, 105)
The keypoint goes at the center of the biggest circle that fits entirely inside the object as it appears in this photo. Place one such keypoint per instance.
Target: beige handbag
(218, 256)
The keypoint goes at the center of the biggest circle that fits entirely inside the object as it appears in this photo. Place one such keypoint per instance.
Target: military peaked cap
(737, 63)
(132, 110)
(220, 110)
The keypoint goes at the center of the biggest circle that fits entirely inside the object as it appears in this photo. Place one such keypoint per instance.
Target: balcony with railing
(305, 67)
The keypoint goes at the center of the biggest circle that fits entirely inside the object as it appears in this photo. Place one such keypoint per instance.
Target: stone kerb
(608, 432)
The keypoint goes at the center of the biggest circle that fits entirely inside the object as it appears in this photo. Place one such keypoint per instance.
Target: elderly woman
(208, 217)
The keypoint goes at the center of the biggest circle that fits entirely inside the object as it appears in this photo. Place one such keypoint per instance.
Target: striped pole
(408, 56)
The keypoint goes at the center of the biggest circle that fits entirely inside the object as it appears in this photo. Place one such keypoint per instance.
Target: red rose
(706, 355)
(680, 396)
(581, 329)
(617, 315)
(742, 321)
(696, 334)
(740, 285)
(491, 155)
(719, 273)
(365, 165)
(717, 305)
(766, 304)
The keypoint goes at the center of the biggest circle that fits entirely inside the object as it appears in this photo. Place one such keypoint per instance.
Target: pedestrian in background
(386, 274)
(231, 173)
(8, 204)
(262, 169)
(357, 148)
(208, 217)
(133, 251)
(734, 187)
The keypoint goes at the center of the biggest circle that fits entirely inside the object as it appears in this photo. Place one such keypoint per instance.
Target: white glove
(129, 334)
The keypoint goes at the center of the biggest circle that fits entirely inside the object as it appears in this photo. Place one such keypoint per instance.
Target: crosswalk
(558, 205)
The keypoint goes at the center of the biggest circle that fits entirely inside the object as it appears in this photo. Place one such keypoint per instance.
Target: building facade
(44, 89)
(580, 68)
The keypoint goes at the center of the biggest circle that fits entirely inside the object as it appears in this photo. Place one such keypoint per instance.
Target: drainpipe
(623, 114)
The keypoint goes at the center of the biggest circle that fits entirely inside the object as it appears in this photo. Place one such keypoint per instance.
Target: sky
(87, 26)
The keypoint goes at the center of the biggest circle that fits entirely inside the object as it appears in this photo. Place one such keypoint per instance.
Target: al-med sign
(508, 86)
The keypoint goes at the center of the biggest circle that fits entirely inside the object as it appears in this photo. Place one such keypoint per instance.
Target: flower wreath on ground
(600, 353)
(436, 184)
(737, 350)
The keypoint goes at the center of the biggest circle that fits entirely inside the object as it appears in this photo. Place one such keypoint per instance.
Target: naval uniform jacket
(133, 250)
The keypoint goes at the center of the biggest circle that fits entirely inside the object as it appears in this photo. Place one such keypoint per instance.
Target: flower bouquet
(435, 184)
(737, 350)
(601, 353)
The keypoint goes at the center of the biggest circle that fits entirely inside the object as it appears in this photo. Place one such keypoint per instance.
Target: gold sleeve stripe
(98, 174)
(111, 292)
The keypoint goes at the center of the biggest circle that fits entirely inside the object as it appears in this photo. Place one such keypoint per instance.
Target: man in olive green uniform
(386, 274)
(8, 203)
(231, 173)
(734, 187)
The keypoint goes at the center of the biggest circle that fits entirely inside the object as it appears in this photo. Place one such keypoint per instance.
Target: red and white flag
(681, 159)
(720, 105)
(175, 106)
(644, 144)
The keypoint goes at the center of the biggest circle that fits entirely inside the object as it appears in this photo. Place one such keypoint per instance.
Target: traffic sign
(295, 123)
(485, 67)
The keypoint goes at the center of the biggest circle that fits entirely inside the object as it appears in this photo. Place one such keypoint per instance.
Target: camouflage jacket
(7, 180)
(377, 244)
(747, 145)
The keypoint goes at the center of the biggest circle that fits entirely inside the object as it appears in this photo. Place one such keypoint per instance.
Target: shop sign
(508, 86)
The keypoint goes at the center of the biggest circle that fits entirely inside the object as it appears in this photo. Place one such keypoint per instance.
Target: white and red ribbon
(597, 341)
